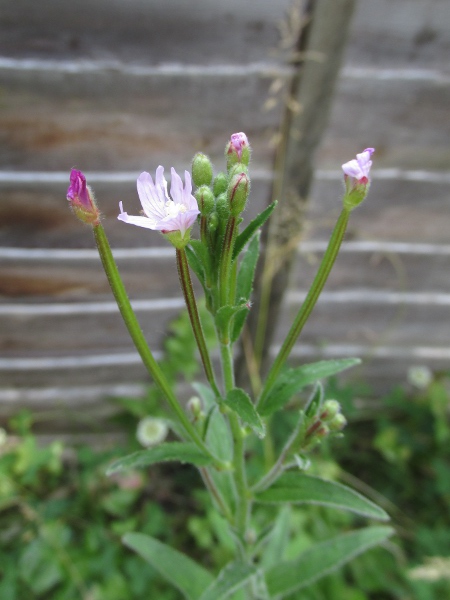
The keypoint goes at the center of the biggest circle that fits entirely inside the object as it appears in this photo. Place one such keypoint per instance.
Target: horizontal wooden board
(42, 283)
(406, 211)
(348, 316)
(404, 31)
(113, 121)
(77, 388)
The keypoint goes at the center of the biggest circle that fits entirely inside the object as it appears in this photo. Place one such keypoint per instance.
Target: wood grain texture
(114, 88)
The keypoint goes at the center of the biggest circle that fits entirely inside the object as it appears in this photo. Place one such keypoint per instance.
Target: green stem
(137, 336)
(240, 476)
(310, 301)
(239, 473)
(215, 493)
(226, 260)
(189, 297)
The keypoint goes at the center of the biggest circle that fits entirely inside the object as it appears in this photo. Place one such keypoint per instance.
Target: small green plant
(226, 426)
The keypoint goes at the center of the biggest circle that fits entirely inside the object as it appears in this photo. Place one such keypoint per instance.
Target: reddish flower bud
(238, 150)
(81, 199)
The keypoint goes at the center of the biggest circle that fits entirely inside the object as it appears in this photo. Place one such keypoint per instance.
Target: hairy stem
(138, 338)
(310, 301)
(191, 303)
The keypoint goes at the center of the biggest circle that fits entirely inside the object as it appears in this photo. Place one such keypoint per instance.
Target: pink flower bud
(238, 150)
(356, 177)
(81, 198)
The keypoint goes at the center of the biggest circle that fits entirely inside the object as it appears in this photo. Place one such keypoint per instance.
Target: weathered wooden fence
(115, 88)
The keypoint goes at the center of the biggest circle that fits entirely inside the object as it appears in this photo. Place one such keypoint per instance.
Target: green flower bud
(205, 199)
(213, 221)
(338, 423)
(238, 191)
(236, 169)
(201, 170)
(330, 409)
(223, 208)
(220, 184)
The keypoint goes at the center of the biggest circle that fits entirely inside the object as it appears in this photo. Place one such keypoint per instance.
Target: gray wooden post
(317, 59)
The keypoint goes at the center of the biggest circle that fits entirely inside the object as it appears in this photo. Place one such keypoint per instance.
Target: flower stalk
(310, 301)
(139, 341)
(191, 304)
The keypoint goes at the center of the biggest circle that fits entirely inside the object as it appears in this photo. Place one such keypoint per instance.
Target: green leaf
(292, 381)
(239, 401)
(248, 232)
(182, 572)
(219, 441)
(321, 559)
(244, 285)
(246, 273)
(232, 577)
(299, 488)
(279, 538)
(196, 265)
(201, 251)
(172, 451)
(224, 317)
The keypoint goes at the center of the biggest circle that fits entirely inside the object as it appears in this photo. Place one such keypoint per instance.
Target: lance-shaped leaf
(294, 380)
(179, 570)
(278, 538)
(244, 285)
(197, 265)
(298, 488)
(253, 226)
(232, 578)
(321, 559)
(224, 317)
(240, 402)
(172, 451)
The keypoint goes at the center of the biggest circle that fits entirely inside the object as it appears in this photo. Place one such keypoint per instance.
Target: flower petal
(352, 168)
(152, 197)
(176, 187)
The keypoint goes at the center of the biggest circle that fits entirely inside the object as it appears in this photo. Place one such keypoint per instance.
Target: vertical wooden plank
(317, 56)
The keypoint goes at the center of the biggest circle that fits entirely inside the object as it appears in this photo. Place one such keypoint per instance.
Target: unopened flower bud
(338, 423)
(236, 169)
(330, 409)
(237, 150)
(194, 405)
(151, 431)
(356, 179)
(222, 208)
(205, 199)
(323, 431)
(220, 184)
(81, 199)
(202, 171)
(238, 191)
(213, 221)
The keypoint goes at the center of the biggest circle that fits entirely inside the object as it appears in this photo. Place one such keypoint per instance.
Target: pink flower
(356, 176)
(359, 168)
(81, 198)
(160, 211)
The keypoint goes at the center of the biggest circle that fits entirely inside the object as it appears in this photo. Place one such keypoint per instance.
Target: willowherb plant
(216, 429)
